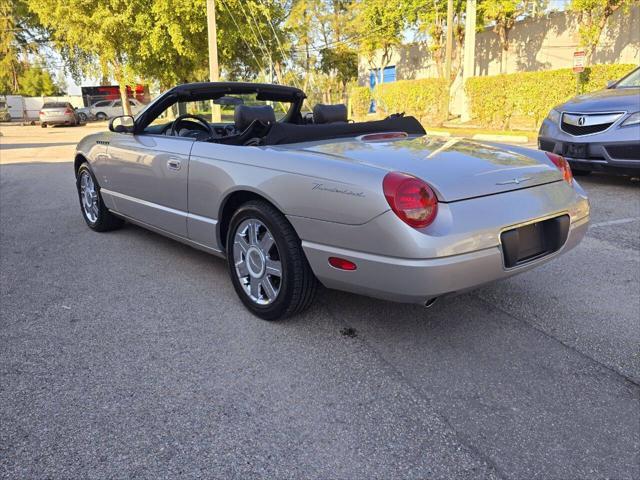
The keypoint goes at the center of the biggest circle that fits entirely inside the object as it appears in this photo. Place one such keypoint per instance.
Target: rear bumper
(418, 281)
(58, 120)
(461, 250)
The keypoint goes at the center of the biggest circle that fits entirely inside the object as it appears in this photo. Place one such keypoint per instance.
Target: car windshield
(227, 104)
(630, 81)
(55, 105)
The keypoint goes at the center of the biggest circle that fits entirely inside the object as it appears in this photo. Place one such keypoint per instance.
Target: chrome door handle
(173, 164)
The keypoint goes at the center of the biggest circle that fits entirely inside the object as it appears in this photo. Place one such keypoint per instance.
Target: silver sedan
(58, 113)
(598, 131)
(376, 208)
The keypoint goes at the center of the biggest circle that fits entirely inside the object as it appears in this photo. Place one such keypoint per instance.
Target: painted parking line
(614, 222)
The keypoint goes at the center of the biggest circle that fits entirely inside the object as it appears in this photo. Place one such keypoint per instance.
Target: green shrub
(423, 98)
(359, 101)
(495, 100)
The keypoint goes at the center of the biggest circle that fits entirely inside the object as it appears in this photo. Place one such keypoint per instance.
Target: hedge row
(494, 100)
(360, 100)
(424, 99)
(497, 99)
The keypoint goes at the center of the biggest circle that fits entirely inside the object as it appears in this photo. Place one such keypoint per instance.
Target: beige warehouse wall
(545, 43)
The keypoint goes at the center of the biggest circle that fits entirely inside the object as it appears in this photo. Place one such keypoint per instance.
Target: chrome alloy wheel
(257, 261)
(89, 196)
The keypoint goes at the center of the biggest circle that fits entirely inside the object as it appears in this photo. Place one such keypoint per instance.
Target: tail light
(411, 199)
(562, 165)
(40, 112)
(68, 111)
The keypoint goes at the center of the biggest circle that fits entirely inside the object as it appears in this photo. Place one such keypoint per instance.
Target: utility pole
(214, 74)
(468, 69)
(448, 51)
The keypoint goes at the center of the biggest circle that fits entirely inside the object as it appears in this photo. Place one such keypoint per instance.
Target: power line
(284, 55)
(258, 63)
(262, 47)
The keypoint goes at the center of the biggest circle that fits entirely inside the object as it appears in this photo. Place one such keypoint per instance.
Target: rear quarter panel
(299, 184)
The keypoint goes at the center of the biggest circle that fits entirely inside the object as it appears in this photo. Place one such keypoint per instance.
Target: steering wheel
(174, 130)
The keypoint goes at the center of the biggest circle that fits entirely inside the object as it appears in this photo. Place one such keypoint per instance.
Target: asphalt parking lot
(128, 355)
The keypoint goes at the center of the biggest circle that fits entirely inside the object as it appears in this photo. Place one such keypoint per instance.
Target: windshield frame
(214, 90)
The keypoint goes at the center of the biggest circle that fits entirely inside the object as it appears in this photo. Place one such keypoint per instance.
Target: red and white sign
(578, 61)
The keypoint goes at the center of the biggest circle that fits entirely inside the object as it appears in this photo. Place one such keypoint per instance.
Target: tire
(82, 117)
(101, 116)
(98, 216)
(43, 125)
(296, 285)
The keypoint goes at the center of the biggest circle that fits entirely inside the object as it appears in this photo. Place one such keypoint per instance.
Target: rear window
(55, 105)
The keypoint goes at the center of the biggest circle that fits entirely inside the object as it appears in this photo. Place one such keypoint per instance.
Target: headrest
(329, 113)
(243, 115)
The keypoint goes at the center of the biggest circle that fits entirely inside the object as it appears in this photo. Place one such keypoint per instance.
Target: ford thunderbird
(293, 200)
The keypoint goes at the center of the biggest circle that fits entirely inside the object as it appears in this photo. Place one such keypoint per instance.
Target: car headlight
(554, 116)
(632, 119)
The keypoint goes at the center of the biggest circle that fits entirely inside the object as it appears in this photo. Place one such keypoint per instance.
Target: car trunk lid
(55, 112)
(457, 169)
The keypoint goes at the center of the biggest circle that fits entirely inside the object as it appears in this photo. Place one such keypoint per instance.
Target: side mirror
(611, 83)
(122, 124)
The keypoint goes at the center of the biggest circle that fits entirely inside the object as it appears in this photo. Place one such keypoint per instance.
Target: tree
(594, 15)
(36, 81)
(338, 58)
(380, 26)
(163, 40)
(323, 57)
(94, 37)
(340, 63)
(303, 26)
(20, 39)
(431, 22)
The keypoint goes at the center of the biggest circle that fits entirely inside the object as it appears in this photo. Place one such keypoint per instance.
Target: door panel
(147, 177)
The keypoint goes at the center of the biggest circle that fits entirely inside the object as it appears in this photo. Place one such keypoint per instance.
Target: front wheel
(101, 116)
(82, 117)
(268, 268)
(94, 212)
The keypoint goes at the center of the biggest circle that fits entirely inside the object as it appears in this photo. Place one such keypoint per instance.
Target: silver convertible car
(377, 208)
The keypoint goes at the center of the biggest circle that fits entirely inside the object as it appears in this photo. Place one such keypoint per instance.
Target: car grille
(577, 124)
(624, 152)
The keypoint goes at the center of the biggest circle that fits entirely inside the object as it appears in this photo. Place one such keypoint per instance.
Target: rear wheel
(101, 116)
(43, 125)
(267, 266)
(94, 212)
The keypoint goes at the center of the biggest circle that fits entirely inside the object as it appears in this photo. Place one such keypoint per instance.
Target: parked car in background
(599, 130)
(58, 113)
(5, 116)
(106, 109)
(85, 114)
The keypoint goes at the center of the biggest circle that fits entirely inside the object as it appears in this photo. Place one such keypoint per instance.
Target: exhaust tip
(429, 303)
